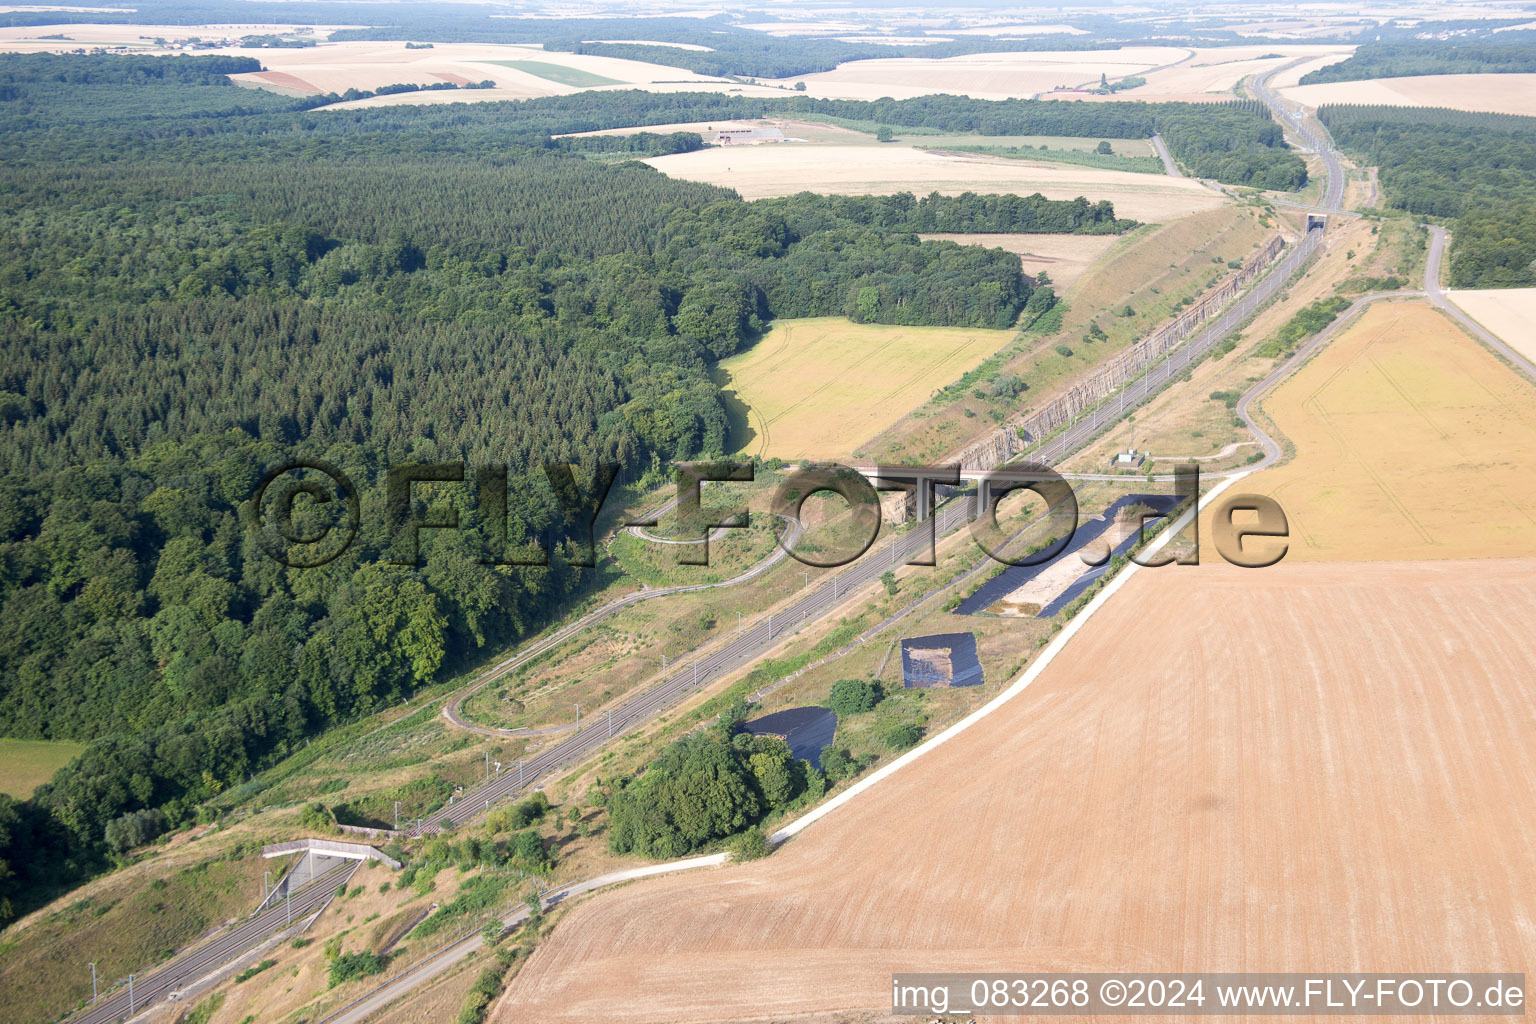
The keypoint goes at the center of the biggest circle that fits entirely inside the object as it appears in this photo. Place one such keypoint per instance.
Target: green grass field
(820, 387)
(126, 924)
(556, 73)
(1080, 157)
(27, 764)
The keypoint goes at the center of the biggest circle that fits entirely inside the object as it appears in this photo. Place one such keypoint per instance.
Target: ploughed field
(1309, 766)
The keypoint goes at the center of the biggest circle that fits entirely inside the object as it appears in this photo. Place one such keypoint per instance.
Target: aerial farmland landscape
(518, 512)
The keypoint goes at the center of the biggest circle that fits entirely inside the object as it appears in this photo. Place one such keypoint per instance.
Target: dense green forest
(1516, 53)
(1234, 142)
(198, 282)
(1476, 169)
(966, 213)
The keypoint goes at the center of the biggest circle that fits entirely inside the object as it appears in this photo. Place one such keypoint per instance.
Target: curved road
(1055, 452)
(762, 634)
(813, 604)
(454, 709)
(759, 636)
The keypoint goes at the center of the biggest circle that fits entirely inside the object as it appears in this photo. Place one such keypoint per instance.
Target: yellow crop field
(1300, 764)
(818, 388)
(1412, 442)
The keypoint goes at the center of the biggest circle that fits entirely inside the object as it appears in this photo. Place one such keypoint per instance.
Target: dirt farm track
(1310, 767)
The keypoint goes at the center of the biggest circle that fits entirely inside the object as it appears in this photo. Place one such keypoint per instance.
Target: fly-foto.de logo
(308, 512)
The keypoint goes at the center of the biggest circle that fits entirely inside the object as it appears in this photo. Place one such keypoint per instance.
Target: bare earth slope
(1309, 767)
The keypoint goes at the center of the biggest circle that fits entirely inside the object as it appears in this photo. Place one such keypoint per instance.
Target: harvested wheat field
(819, 387)
(1508, 312)
(1292, 76)
(760, 171)
(987, 76)
(1216, 72)
(1412, 442)
(1063, 257)
(1498, 94)
(518, 71)
(34, 38)
(1213, 73)
(1308, 767)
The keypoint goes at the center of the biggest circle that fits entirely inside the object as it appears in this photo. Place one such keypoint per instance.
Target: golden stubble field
(786, 168)
(1172, 72)
(1413, 442)
(1211, 74)
(1499, 94)
(1063, 257)
(336, 67)
(1308, 767)
(991, 76)
(819, 387)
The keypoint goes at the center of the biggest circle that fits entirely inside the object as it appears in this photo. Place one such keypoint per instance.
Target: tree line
(1433, 57)
(1478, 170)
(1236, 142)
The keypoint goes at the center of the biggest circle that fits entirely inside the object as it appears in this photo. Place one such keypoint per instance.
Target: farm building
(943, 659)
(747, 136)
(808, 731)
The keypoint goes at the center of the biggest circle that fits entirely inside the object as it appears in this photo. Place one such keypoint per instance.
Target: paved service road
(201, 960)
(424, 970)
(811, 605)
(766, 630)
(1166, 157)
(750, 643)
(1443, 301)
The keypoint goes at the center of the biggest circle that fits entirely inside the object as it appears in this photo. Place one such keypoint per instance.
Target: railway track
(752, 642)
(126, 1002)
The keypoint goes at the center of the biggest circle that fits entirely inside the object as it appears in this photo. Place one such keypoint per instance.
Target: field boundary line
(1018, 686)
